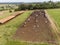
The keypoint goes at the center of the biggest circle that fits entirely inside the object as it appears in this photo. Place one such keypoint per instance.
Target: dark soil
(36, 29)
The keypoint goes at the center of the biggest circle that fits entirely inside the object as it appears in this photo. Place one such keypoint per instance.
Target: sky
(26, 0)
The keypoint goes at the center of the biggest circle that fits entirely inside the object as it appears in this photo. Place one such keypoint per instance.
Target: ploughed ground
(36, 29)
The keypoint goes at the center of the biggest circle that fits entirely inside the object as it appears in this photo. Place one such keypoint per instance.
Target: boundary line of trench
(53, 25)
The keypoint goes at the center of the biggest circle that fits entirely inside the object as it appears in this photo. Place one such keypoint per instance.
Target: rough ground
(36, 29)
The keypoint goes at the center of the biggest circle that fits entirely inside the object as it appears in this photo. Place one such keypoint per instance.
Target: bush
(43, 5)
(10, 11)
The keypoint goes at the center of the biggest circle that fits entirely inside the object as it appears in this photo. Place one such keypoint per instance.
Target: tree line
(41, 5)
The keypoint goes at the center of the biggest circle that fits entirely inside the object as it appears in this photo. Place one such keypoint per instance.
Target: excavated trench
(36, 29)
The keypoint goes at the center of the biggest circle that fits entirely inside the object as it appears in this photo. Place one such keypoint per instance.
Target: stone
(34, 26)
(22, 32)
(37, 25)
(29, 19)
(36, 15)
(25, 22)
(24, 25)
(46, 21)
(36, 21)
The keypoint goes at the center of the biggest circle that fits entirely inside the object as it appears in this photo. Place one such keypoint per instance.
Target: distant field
(55, 15)
(3, 4)
(4, 14)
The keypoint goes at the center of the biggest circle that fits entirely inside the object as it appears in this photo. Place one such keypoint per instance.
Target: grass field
(55, 15)
(4, 14)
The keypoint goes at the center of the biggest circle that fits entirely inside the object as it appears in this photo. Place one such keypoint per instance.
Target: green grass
(8, 29)
(5, 14)
(24, 43)
(55, 15)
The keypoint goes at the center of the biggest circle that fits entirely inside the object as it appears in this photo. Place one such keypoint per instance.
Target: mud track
(36, 29)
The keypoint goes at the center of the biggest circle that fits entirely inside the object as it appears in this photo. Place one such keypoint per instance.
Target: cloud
(25, 0)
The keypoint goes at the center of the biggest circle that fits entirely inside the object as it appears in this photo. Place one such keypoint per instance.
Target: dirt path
(36, 29)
